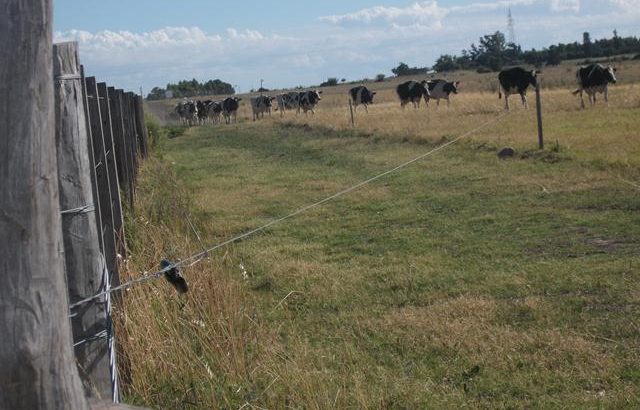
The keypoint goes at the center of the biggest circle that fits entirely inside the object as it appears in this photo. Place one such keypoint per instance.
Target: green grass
(460, 281)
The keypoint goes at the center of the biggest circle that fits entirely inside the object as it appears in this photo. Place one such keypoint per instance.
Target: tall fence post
(83, 258)
(37, 367)
(141, 126)
(353, 124)
(112, 168)
(539, 115)
(98, 121)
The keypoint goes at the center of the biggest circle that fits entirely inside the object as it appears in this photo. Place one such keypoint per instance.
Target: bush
(330, 82)
(154, 129)
(380, 78)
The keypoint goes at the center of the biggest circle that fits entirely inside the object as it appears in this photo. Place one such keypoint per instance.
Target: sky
(147, 43)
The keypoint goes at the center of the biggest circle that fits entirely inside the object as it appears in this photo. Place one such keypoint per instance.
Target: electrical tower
(511, 27)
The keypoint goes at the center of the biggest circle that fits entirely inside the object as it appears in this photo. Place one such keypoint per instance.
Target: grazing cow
(230, 107)
(188, 112)
(260, 105)
(516, 80)
(288, 101)
(440, 89)
(412, 92)
(361, 95)
(593, 79)
(214, 111)
(308, 100)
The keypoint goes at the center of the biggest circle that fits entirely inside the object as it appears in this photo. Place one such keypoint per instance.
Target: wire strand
(195, 258)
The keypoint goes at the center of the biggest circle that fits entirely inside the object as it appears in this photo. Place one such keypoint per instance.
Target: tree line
(191, 88)
(493, 52)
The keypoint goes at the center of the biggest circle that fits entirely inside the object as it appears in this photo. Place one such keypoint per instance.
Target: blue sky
(288, 43)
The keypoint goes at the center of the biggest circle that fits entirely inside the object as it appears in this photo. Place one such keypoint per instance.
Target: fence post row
(80, 219)
(37, 367)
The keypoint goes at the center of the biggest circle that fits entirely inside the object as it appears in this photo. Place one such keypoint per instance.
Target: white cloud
(354, 45)
(421, 12)
(562, 5)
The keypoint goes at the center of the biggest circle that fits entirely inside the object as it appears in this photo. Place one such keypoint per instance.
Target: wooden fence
(71, 149)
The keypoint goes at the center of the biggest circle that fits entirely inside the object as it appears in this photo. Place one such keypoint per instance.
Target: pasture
(461, 281)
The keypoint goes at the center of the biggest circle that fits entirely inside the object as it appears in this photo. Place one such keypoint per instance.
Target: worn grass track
(461, 281)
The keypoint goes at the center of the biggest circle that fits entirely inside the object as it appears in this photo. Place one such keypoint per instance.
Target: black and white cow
(188, 112)
(361, 95)
(441, 89)
(288, 101)
(260, 105)
(516, 80)
(308, 100)
(202, 110)
(230, 107)
(593, 79)
(214, 111)
(413, 92)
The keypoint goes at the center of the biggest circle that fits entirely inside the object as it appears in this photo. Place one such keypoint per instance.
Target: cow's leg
(524, 101)
(606, 95)
(582, 99)
(366, 108)
(506, 101)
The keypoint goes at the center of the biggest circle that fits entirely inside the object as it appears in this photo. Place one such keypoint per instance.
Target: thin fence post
(353, 123)
(37, 366)
(114, 177)
(141, 126)
(126, 147)
(539, 115)
(98, 122)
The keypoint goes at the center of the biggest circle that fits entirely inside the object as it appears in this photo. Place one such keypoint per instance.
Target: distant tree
(331, 81)
(445, 63)
(404, 69)
(344, 80)
(586, 44)
(380, 78)
(156, 93)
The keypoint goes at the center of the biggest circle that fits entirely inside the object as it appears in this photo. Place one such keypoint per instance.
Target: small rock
(507, 152)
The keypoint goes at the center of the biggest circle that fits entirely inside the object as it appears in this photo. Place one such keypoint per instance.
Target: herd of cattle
(592, 79)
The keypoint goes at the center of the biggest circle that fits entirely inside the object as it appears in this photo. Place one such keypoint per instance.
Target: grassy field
(462, 281)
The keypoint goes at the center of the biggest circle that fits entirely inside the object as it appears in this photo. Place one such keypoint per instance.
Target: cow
(260, 105)
(308, 100)
(188, 112)
(441, 89)
(593, 79)
(516, 80)
(411, 92)
(202, 110)
(361, 95)
(230, 107)
(288, 101)
(214, 111)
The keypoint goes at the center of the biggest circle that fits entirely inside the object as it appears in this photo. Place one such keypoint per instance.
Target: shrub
(380, 78)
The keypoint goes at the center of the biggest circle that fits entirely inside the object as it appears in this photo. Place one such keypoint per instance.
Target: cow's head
(451, 87)
(610, 74)
(533, 77)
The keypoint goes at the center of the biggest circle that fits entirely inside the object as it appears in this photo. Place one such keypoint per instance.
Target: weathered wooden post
(141, 126)
(102, 173)
(353, 124)
(37, 367)
(114, 185)
(85, 266)
(133, 137)
(539, 115)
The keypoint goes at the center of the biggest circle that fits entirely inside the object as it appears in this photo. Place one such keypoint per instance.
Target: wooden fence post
(539, 115)
(37, 367)
(133, 136)
(101, 167)
(116, 203)
(126, 145)
(84, 260)
(353, 123)
(141, 126)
